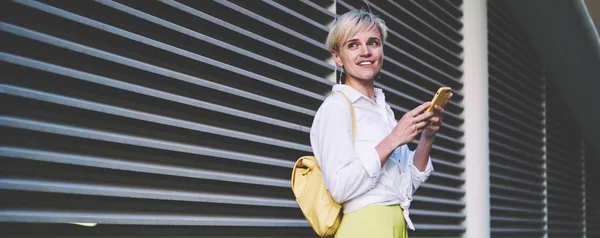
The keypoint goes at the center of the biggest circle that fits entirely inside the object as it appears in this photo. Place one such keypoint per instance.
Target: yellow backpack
(322, 212)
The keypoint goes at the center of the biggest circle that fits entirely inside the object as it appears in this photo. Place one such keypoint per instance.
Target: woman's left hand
(435, 122)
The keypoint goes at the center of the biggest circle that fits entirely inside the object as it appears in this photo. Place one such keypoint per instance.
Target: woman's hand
(411, 124)
(435, 122)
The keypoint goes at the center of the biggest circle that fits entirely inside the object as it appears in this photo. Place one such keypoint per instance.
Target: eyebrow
(353, 40)
(349, 41)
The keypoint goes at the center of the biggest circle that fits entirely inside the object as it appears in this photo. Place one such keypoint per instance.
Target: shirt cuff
(421, 175)
(369, 158)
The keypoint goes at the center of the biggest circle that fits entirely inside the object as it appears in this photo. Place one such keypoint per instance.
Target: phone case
(439, 98)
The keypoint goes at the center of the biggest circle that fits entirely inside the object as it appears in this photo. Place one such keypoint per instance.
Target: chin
(368, 77)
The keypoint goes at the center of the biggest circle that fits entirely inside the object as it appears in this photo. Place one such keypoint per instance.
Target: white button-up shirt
(351, 168)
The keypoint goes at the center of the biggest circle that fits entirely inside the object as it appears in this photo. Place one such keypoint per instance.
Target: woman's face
(361, 55)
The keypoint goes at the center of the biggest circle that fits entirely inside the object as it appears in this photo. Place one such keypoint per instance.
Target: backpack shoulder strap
(389, 110)
(351, 113)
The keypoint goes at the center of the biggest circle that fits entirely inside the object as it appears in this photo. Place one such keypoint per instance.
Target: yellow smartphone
(439, 98)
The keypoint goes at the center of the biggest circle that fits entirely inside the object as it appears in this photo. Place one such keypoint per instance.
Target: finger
(418, 110)
(439, 112)
(434, 119)
(424, 116)
(421, 125)
(433, 129)
(434, 126)
(440, 109)
(447, 99)
(416, 128)
(437, 124)
(428, 128)
(419, 130)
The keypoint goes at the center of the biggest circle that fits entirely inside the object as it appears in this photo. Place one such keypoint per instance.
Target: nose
(365, 51)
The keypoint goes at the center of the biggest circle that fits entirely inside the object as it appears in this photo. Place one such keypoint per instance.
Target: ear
(337, 59)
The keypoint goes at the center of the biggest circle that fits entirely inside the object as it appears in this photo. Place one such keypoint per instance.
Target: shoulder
(335, 102)
(334, 107)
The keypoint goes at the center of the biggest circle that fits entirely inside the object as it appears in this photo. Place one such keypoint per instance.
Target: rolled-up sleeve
(347, 173)
(417, 177)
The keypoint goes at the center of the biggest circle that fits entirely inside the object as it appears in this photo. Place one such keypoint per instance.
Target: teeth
(365, 62)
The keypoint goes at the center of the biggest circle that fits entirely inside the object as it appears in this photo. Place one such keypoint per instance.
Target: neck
(363, 86)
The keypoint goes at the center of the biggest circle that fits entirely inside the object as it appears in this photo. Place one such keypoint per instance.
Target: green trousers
(373, 222)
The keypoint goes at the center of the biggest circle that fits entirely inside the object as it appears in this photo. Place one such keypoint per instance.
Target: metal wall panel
(592, 192)
(565, 150)
(422, 53)
(157, 118)
(183, 118)
(516, 102)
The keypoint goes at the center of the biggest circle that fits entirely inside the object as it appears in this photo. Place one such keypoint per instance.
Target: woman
(375, 174)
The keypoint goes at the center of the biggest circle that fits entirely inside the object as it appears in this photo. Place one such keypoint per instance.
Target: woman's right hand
(411, 124)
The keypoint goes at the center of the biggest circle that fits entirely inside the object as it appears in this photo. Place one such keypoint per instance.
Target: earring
(341, 72)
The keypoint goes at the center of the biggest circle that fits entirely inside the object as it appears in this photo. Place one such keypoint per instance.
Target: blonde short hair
(350, 23)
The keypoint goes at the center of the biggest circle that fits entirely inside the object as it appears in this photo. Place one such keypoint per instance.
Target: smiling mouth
(366, 63)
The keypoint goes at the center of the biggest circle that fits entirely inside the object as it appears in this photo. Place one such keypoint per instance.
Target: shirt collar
(354, 94)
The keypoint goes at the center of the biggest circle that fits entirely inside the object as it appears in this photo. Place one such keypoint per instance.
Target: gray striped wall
(184, 118)
(517, 96)
(538, 159)
(169, 118)
(157, 118)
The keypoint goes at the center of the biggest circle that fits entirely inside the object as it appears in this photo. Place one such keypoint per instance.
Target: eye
(373, 43)
(352, 45)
